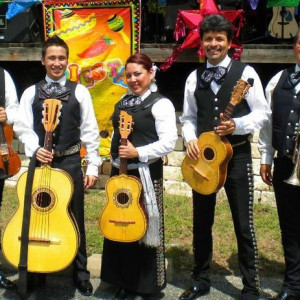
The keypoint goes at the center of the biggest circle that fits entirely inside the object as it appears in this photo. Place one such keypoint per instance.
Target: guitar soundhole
(122, 198)
(43, 200)
(209, 153)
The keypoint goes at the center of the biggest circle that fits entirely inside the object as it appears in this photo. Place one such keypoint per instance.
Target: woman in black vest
(279, 135)
(138, 268)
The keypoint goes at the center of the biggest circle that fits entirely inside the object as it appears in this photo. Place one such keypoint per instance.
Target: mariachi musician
(8, 112)
(137, 268)
(77, 124)
(281, 135)
(207, 93)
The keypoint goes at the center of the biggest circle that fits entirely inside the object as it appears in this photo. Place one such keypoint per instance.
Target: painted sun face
(55, 62)
(138, 78)
(215, 45)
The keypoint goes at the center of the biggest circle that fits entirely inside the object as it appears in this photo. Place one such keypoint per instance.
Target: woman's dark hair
(216, 23)
(54, 41)
(141, 59)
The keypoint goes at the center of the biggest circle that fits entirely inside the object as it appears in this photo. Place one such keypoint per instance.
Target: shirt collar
(224, 63)
(61, 81)
(145, 95)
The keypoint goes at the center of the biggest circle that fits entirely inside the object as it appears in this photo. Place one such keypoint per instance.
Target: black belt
(73, 149)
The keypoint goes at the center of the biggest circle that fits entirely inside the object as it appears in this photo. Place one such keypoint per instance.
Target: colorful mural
(101, 35)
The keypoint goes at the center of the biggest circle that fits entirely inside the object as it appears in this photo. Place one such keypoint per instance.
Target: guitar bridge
(40, 240)
(121, 221)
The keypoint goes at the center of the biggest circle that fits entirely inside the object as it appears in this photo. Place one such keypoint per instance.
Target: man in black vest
(8, 111)
(281, 135)
(77, 124)
(207, 93)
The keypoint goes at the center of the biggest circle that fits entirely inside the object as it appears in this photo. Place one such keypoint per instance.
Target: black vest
(67, 132)
(143, 132)
(285, 112)
(210, 105)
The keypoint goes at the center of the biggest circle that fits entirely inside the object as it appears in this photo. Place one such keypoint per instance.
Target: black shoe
(284, 296)
(194, 292)
(84, 287)
(121, 294)
(6, 283)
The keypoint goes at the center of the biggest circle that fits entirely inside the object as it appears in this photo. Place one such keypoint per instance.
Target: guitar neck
(228, 112)
(48, 143)
(123, 161)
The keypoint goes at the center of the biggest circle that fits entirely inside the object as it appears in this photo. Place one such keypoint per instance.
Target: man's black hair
(54, 41)
(216, 23)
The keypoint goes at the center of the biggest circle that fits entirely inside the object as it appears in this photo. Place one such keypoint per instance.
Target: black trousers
(288, 207)
(239, 190)
(72, 165)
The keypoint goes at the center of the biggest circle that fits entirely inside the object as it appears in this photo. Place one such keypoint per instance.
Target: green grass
(178, 232)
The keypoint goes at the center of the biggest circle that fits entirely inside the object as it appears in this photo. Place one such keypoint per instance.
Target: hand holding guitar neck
(226, 126)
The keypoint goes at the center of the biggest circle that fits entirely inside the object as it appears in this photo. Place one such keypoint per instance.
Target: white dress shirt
(265, 137)
(11, 99)
(259, 108)
(89, 132)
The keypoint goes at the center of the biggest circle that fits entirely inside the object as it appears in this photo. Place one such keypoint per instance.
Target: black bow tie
(54, 90)
(130, 102)
(215, 73)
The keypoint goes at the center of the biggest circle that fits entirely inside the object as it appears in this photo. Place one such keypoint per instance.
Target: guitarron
(207, 174)
(123, 219)
(53, 235)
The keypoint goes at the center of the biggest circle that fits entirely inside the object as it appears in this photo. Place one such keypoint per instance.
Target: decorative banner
(101, 35)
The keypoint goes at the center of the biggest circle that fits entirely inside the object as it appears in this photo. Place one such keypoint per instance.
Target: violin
(10, 163)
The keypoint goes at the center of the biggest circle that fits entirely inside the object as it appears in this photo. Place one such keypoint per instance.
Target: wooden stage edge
(253, 53)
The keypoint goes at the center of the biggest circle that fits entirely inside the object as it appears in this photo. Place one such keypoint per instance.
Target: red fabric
(190, 20)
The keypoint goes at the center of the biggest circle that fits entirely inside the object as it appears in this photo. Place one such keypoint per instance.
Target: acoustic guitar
(207, 174)
(123, 218)
(10, 163)
(283, 24)
(53, 235)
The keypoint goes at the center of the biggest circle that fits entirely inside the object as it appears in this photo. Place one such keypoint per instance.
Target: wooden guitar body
(9, 160)
(207, 174)
(123, 219)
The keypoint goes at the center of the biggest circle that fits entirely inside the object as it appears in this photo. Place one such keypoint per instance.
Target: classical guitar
(122, 218)
(53, 235)
(283, 24)
(10, 163)
(207, 174)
